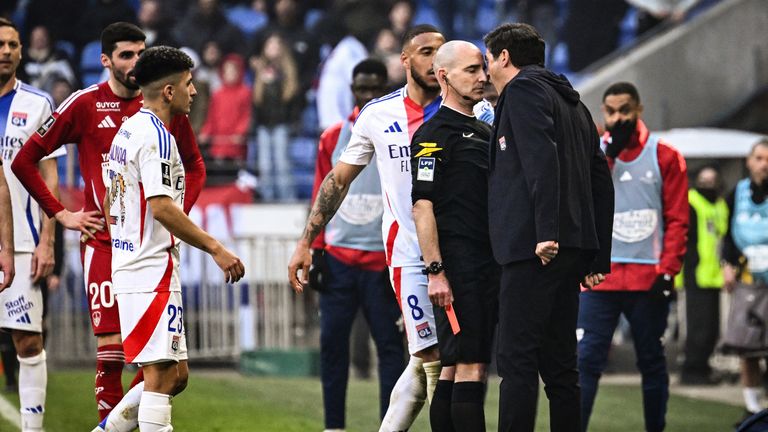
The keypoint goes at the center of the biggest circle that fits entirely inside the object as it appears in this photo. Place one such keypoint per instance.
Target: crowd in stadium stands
(272, 73)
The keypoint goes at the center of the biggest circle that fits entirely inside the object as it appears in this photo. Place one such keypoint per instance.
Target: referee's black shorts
(475, 303)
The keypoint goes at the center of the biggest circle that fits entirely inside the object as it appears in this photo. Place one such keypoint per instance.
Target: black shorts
(475, 302)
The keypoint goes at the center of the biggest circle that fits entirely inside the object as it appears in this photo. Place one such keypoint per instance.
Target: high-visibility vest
(711, 226)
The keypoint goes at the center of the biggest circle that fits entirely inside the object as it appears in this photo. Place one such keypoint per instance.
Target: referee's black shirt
(449, 166)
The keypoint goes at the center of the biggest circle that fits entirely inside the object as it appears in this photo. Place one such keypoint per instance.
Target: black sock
(467, 406)
(440, 409)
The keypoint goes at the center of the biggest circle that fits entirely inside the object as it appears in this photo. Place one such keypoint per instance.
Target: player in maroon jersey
(90, 118)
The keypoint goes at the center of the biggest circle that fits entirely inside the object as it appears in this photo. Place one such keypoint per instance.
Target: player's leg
(161, 381)
(382, 313)
(153, 331)
(23, 315)
(440, 417)
(468, 397)
(339, 303)
(422, 372)
(105, 321)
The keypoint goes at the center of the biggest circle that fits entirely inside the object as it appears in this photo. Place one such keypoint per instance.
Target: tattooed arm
(330, 196)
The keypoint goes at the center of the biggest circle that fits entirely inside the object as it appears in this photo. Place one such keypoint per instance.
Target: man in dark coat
(550, 205)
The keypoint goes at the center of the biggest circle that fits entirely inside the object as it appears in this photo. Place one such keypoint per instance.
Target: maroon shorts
(102, 302)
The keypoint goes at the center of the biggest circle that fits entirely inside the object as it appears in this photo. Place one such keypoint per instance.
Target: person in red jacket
(649, 240)
(90, 118)
(229, 113)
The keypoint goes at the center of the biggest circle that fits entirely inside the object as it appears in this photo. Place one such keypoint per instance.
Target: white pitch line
(10, 412)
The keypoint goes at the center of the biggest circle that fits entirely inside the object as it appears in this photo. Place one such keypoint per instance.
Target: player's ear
(105, 61)
(168, 92)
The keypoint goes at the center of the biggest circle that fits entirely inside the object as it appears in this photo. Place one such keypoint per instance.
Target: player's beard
(126, 81)
(421, 81)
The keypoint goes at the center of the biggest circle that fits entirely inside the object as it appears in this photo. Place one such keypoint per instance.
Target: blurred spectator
(287, 18)
(208, 71)
(229, 113)
(60, 90)
(592, 30)
(206, 22)
(155, 24)
(200, 106)
(653, 12)
(334, 97)
(387, 49)
(708, 223)
(57, 16)
(42, 63)
(400, 18)
(275, 87)
(99, 14)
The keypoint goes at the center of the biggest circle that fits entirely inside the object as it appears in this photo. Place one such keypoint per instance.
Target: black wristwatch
(433, 268)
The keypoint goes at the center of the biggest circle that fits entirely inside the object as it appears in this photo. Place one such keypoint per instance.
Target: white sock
(752, 399)
(155, 412)
(407, 398)
(432, 370)
(125, 416)
(33, 378)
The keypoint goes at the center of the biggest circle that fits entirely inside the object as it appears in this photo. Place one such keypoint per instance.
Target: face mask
(621, 133)
(708, 193)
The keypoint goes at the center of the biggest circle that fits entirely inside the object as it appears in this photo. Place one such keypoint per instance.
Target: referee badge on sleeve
(426, 171)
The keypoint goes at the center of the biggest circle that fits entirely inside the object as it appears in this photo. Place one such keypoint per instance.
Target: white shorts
(152, 327)
(22, 302)
(410, 286)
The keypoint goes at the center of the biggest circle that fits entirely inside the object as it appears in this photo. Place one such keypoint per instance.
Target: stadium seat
(90, 63)
(246, 19)
(68, 48)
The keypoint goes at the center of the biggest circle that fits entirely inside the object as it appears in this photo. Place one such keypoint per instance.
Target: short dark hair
(522, 41)
(119, 32)
(762, 143)
(370, 66)
(417, 30)
(4, 22)
(620, 88)
(160, 62)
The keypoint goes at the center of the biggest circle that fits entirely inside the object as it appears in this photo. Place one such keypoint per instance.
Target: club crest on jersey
(96, 317)
(424, 330)
(502, 143)
(19, 119)
(43, 129)
(175, 343)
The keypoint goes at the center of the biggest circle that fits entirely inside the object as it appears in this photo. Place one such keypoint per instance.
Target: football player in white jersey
(23, 109)
(384, 129)
(145, 202)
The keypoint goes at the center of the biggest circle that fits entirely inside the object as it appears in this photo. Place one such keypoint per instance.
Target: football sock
(155, 412)
(125, 416)
(752, 399)
(467, 406)
(406, 399)
(440, 408)
(110, 360)
(432, 369)
(33, 377)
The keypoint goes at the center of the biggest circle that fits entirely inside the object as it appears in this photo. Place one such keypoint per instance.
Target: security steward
(449, 161)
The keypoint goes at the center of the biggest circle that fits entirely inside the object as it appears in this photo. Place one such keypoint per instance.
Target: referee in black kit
(550, 216)
(449, 164)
